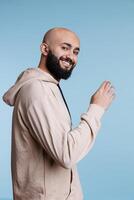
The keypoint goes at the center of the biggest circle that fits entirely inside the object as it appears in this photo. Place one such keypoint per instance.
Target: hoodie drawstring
(64, 99)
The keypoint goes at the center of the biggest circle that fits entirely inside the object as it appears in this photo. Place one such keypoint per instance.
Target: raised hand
(104, 95)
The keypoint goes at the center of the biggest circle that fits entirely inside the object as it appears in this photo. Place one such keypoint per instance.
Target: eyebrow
(69, 45)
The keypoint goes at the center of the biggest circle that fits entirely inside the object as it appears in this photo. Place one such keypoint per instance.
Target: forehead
(60, 37)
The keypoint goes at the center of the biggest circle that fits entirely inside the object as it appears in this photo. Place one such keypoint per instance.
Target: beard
(54, 67)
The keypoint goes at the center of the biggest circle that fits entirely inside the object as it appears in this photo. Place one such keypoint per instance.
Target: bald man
(45, 146)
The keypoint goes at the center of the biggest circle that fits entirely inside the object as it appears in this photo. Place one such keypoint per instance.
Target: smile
(66, 63)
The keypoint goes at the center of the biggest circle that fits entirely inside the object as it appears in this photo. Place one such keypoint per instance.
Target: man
(45, 147)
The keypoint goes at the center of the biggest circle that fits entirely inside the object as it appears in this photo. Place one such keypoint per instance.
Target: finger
(112, 95)
(103, 85)
(108, 86)
(111, 89)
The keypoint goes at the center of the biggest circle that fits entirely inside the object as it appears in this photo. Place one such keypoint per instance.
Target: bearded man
(45, 146)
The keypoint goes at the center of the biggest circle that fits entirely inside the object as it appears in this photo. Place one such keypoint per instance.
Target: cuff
(96, 111)
(93, 117)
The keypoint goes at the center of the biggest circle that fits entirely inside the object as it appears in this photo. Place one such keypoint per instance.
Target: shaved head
(56, 33)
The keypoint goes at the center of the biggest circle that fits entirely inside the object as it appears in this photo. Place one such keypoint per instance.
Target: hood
(25, 77)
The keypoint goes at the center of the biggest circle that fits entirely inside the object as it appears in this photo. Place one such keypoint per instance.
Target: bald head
(56, 34)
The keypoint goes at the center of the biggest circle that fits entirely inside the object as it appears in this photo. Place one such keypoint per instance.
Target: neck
(42, 65)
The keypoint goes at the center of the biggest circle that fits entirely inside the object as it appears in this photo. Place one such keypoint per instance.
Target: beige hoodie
(45, 148)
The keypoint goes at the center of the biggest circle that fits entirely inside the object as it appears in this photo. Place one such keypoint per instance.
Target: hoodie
(45, 147)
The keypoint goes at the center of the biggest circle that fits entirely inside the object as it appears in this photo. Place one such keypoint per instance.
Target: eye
(76, 53)
(64, 48)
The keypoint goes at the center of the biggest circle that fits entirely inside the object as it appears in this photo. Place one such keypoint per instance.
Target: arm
(65, 145)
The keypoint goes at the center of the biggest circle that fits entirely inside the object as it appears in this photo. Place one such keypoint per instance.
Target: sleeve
(65, 145)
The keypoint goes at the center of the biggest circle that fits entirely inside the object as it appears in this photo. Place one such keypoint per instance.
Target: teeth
(66, 63)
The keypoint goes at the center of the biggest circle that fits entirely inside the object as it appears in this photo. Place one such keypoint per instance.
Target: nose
(70, 55)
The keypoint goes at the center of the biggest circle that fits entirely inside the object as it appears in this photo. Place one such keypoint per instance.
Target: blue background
(106, 30)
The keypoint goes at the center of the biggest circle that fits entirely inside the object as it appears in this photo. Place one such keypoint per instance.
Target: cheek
(76, 60)
(58, 53)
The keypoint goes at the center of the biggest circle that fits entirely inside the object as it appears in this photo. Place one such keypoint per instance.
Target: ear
(44, 49)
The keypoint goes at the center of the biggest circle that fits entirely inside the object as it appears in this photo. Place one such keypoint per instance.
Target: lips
(66, 62)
